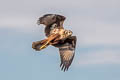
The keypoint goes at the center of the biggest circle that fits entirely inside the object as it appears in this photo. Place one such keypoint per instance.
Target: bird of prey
(58, 37)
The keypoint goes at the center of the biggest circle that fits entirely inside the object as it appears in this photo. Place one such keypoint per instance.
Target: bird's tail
(39, 45)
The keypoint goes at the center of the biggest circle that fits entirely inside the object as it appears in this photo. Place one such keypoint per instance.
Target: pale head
(68, 32)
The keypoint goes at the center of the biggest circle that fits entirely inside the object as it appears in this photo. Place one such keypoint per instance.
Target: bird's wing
(51, 21)
(67, 52)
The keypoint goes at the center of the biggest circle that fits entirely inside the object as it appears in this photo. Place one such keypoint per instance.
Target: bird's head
(68, 32)
(50, 19)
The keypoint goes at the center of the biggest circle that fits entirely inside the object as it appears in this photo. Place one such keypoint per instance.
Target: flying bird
(58, 37)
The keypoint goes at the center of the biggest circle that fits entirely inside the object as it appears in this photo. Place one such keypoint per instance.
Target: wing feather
(67, 52)
(49, 20)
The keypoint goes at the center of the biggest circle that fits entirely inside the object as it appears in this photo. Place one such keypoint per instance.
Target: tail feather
(37, 45)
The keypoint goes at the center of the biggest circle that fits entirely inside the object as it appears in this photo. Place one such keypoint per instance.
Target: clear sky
(95, 22)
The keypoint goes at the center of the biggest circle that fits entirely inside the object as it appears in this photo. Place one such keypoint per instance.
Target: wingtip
(63, 68)
(38, 22)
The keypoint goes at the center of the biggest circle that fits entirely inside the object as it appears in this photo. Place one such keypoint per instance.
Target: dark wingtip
(38, 22)
(63, 68)
(61, 17)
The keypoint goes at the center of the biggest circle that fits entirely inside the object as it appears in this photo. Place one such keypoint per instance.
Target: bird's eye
(55, 25)
(65, 32)
(69, 32)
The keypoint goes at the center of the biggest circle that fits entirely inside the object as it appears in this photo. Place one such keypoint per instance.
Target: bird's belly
(61, 32)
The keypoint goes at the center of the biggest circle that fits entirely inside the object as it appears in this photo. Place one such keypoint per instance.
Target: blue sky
(96, 24)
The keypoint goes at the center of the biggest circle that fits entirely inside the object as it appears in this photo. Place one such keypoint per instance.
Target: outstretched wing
(51, 21)
(67, 52)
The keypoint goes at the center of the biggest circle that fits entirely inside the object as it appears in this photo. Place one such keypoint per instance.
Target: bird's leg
(48, 40)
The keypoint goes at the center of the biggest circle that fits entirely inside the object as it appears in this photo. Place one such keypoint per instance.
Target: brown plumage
(49, 19)
(58, 37)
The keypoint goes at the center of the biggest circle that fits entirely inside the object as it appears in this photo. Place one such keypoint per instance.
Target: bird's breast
(62, 32)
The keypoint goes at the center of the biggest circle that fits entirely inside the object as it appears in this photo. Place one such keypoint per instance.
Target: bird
(58, 37)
